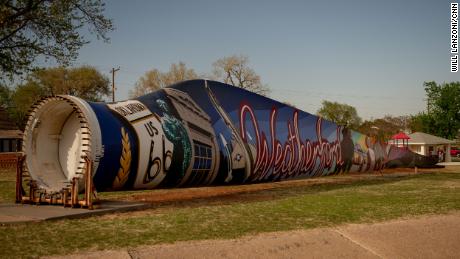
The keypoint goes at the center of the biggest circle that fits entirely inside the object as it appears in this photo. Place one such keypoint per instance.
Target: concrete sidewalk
(426, 237)
(19, 213)
(449, 163)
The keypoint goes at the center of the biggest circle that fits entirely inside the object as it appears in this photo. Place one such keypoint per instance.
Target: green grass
(280, 209)
(7, 185)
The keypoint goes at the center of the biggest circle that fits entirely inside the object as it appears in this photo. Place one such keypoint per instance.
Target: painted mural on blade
(204, 132)
(155, 151)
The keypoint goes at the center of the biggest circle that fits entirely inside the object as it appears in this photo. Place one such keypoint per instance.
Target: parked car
(455, 152)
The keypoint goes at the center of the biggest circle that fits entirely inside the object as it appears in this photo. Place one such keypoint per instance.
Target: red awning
(400, 135)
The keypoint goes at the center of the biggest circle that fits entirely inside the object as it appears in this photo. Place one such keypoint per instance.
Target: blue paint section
(196, 89)
(284, 125)
(109, 164)
(223, 134)
(175, 131)
(150, 100)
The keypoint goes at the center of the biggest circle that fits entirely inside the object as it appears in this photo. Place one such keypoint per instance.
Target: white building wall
(423, 150)
(448, 158)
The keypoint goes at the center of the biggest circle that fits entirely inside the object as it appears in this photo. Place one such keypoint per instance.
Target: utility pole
(113, 82)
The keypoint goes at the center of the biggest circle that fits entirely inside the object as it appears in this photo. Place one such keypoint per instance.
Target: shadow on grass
(228, 195)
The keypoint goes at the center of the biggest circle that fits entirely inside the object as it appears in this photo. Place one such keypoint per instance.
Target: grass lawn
(297, 207)
(7, 185)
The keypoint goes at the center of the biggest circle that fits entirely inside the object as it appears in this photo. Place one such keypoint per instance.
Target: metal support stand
(19, 175)
(66, 197)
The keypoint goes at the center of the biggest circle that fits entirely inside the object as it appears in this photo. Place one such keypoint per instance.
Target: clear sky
(374, 55)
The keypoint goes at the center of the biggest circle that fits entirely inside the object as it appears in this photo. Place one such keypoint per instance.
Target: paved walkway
(449, 163)
(19, 213)
(426, 237)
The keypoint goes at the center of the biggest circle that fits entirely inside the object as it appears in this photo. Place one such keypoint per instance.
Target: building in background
(430, 145)
(10, 135)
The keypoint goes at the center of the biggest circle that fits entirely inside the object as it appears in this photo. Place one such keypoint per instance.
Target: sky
(373, 55)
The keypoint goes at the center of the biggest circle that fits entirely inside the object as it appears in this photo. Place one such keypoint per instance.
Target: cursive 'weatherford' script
(293, 157)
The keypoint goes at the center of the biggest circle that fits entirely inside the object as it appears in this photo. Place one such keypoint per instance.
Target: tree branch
(14, 31)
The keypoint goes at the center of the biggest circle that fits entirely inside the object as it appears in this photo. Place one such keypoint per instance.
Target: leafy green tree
(85, 82)
(31, 29)
(5, 96)
(6, 101)
(22, 98)
(384, 128)
(443, 110)
(155, 79)
(342, 114)
(423, 122)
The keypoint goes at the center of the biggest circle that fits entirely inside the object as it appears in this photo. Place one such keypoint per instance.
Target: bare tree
(235, 70)
(155, 79)
(177, 73)
(149, 82)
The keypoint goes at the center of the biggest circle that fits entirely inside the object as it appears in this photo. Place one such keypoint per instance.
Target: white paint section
(96, 150)
(130, 109)
(56, 138)
(42, 145)
(155, 153)
(70, 145)
(155, 150)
